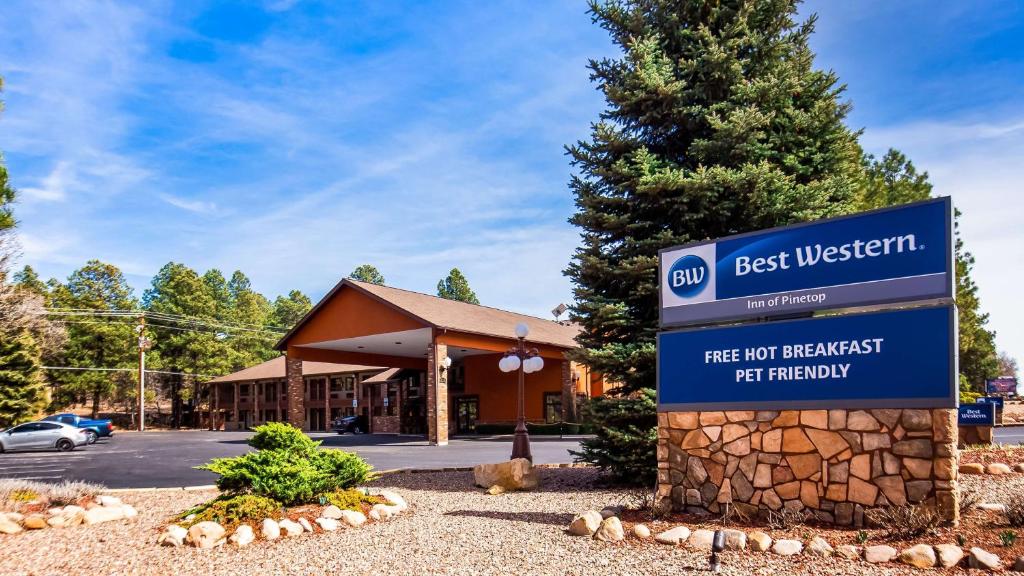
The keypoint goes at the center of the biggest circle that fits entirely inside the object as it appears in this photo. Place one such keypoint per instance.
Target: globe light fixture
(524, 361)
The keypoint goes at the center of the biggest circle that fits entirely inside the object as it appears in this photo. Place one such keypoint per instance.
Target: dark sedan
(353, 424)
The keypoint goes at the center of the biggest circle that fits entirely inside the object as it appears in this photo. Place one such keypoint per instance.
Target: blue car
(94, 429)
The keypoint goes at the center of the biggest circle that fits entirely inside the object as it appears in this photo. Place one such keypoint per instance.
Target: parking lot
(167, 459)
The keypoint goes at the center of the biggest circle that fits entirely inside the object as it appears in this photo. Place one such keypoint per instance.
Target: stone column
(437, 395)
(296, 403)
(568, 393)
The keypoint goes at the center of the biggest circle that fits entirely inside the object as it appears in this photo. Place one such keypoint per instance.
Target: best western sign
(890, 255)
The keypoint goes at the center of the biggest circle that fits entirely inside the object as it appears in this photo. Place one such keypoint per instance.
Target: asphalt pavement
(162, 459)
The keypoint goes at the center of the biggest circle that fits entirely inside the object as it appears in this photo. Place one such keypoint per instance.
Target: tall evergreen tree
(456, 287)
(716, 123)
(27, 279)
(250, 311)
(367, 273)
(22, 390)
(288, 310)
(7, 193)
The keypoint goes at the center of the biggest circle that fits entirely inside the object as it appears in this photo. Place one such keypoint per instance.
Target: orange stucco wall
(497, 389)
(349, 314)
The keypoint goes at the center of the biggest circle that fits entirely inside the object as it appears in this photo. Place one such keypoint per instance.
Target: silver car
(43, 436)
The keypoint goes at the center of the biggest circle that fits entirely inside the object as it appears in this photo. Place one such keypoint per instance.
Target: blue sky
(296, 140)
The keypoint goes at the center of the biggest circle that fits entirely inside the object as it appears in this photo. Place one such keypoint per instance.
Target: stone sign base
(971, 435)
(831, 463)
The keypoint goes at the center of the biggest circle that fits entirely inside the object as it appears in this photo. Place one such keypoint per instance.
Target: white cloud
(197, 206)
(53, 186)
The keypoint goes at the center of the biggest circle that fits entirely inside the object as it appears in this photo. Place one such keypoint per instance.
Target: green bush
(230, 511)
(625, 437)
(351, 499)
(281, 436)
(345, 469)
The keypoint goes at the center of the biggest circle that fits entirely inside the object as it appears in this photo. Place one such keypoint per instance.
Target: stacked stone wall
(832, 464)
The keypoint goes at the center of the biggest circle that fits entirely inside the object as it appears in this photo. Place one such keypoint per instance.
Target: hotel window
(343, 387)
(243, 391)
(315, 387)
(552, 407)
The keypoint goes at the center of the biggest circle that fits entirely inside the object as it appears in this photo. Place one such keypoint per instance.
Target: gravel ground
(453, 529)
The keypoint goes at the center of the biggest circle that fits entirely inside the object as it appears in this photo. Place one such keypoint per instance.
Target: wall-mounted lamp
(445, 364)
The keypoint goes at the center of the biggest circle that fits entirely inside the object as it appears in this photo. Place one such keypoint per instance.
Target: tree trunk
(95, 403)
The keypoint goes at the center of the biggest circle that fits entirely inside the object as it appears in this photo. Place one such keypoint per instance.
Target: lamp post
(525, 361)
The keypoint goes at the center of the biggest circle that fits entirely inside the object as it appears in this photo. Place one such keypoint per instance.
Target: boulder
(997, 469)
(673, 536)
(608, 511)
(332, 512)
(759, 541)
(879, 554)
(395, 499)
(305, 525)
(353, 518)
(848, 551)
(735, 540)
(819, 547)
(128, 512)
(206, 535)
(270, 529)
(112, 501)
(328, 524)
(972, 468)
(57, 522)
(13, 516)
(641, 531)
(980, 559)
(34, 522)
(101, 514)
(496, 490)
(243, 536)
(291, 528)
(787, 547)
(919, 556)
(948, 555)
(173, 535)
(1018, 566)
(586, 524)
(517, 474)
(610, 530)
(1018, 467)
(8, 526)
(701, 539)
(381, 512)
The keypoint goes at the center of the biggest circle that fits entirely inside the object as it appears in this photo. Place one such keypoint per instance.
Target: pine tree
(367, 273)
(288, 310)
(22, 391)
(7, 193)
(27, 279)
(716, 123)
(456, 287)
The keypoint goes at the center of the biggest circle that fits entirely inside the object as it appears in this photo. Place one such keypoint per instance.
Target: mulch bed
(1007, 455)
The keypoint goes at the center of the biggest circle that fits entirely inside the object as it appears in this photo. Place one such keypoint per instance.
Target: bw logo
(688, 276)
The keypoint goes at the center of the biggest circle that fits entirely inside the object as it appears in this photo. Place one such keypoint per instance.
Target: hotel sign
(891, 255)
(904, 358)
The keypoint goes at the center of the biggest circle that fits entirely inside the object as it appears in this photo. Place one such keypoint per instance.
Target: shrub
(862, 537)
(345, 469)
(351, 499)
(230, 511)
(905, 522)
(281, 436)
(625, 440)
(13, 490)
(1007, 538)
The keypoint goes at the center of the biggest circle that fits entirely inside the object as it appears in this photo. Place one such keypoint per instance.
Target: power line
(95, 369)
(150, 313)
(191, 321)
(268, 336)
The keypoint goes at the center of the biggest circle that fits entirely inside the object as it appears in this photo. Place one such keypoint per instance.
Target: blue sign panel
(995, 400)
(977, 415)
(902, 358)
(891, 255)
(1001, 385)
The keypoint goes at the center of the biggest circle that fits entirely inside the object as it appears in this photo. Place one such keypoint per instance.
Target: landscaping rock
(991, 506)
(243, 536)
(949, 555)
(381, 512)
(641, 531)
(1018, 467)
(353, 518)
(8, 526)
(328, 524)
(879, 554)
(517, 474)
(395, 499)
(128, 512)
(496, 490)
(998, 469)
(759, 541)
(610, 530)
(14, 516)
(291, 528)
(305, 525)
(206, 535)
(332, 512)
(819, 547)
(1018, 566)
(34, 522)
(919, 556)
(735, 540)
(112, 501)
(673, 536)
(972, 468)
(173, 535)
(981, 559)
(57, 522)
(787, 547)
(586, 524)
(849, 552)
(101, 514)
(701, 539)
(270, 529)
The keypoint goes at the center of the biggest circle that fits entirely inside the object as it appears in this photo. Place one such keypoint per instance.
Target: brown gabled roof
(454, 315)
(274, 369)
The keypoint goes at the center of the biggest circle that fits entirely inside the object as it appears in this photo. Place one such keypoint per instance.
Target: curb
(154, 489)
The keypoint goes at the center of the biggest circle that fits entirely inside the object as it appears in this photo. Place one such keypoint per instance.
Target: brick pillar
(437, 396)
(296, 403)
(568, 393)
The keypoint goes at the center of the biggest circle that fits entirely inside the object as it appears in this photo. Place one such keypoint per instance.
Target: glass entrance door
(467, 408)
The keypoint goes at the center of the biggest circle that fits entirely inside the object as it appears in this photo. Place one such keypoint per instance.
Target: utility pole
(144, 344)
